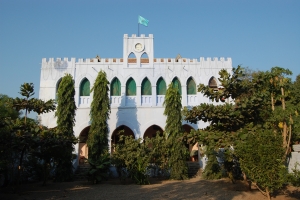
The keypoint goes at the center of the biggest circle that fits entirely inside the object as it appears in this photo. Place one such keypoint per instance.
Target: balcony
(84, 101)
(146, 100)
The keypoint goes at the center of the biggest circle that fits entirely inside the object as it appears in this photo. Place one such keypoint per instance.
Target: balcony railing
(192, 100)
(84, 101)
(115, 100)
(146, 100)
(160, 100)
(130, 101)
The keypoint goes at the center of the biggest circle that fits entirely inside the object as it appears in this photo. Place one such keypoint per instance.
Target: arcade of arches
(152, 131)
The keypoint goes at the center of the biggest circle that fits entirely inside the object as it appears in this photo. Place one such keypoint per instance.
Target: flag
(143, 21)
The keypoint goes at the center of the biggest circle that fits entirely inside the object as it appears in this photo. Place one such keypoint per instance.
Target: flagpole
(138, 30)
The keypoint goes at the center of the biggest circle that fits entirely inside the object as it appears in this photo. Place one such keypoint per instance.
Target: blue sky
(258, 34)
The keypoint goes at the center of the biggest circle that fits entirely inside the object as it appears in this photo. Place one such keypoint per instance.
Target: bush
(294, 178)
(131, 158)
(261, 158)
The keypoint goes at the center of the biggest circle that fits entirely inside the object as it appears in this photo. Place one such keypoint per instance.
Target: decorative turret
(138, 49)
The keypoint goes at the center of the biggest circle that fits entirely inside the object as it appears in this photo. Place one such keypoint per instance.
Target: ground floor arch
(83, 148)
(193, 149)
(152, 131)
(121, 130)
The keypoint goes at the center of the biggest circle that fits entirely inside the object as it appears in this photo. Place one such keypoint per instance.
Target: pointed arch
(152, 131)
(177, 84)
(83, 148)
(146, 87)
(144, 58)
(144, 55)
(115, 87)
(161, 87)
(193, 149)
(130, 87)
(191, 86)
(131, 58)
(84, 89)
(213, 82)
(121, 130)
(131, 55)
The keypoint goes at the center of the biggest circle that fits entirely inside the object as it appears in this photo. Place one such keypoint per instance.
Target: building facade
(138, 84)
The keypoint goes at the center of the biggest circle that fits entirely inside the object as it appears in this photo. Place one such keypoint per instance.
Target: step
(194, 169)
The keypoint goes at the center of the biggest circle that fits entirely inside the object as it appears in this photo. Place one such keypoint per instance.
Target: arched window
(176, 84)
(191, 86)
(144, 55)
(130, 87)
(144, 58)
(213, 82)
(146, 87)
(85, 87)
(115, 87)
(131, 58)
(161, 87)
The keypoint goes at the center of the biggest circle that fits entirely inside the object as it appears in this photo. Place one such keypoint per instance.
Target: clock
(138, 47)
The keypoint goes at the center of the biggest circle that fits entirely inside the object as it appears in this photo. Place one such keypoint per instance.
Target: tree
(23, 134)
(173, 130)
(98, 134)
(5, 110)
(262, 101)
(65, 113)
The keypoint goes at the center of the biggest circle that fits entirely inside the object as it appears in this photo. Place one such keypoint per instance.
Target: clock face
(139, 47)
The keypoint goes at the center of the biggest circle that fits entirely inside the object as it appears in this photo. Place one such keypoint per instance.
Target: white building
(138, 83)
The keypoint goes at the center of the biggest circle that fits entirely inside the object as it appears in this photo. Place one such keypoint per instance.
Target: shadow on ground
(195, 188)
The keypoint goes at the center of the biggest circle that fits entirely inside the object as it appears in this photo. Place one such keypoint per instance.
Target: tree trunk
(284, 132)
(268, 193)
(272, 102)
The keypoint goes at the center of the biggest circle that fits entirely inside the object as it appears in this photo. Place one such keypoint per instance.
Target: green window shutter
(85, 88)
(130, 87)
(176, 84)
(115, 87)
(146, 87)
(191, 86)
(161, 87)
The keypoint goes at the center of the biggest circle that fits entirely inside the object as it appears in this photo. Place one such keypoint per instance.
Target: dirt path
(195, 188)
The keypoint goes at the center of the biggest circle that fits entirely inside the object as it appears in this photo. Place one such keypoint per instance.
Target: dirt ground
(195, 188)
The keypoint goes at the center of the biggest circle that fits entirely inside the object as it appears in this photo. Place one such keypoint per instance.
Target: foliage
(131, 157)
(295, 101)
(159, 154)
(5, 110)
(97, 140)
(213, 168)
(263, 101)
(99, 169)
(139, 159)
(294, 177)
(66, 107)
(173, 130)
(260, 156)
(30, 148)
(172, 110)
(65, 113)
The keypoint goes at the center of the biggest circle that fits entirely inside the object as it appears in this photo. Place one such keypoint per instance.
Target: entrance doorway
(83, 148)
(193, 149)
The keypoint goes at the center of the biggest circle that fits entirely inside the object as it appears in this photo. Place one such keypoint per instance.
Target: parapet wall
(59, 61)
(141, 36)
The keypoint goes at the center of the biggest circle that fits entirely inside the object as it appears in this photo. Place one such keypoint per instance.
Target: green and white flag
(143, 21)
